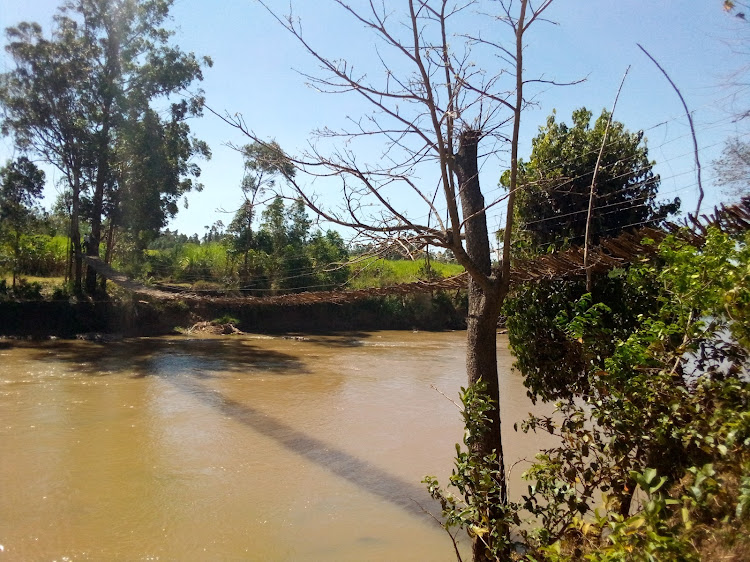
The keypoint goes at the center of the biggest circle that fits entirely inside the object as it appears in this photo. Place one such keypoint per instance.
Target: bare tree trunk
(69, 254)
(440, 109)
(103, 163)
(92, 248)
(484, 309)
(75, 236)
(109, 244)
(16, 256)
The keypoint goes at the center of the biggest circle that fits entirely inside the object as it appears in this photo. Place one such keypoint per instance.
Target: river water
(234, 447)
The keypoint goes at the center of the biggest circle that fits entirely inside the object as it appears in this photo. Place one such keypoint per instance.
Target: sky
(258, 69)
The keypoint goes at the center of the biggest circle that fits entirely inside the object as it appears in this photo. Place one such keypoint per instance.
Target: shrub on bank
(652, 416)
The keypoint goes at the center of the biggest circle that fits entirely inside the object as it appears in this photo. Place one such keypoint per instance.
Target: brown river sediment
(234, 447)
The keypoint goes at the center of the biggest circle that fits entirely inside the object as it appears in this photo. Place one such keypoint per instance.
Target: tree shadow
(141, 358)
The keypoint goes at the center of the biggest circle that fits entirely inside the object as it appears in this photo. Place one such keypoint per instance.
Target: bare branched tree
(733, 168)
(437, 114)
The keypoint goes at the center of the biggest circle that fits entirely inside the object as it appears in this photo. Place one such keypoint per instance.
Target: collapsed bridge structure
(619, 251)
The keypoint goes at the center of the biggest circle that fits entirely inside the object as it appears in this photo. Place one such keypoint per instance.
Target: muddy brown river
(234, 447)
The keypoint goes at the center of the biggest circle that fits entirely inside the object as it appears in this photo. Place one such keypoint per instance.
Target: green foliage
(546, 323)
(202, 262)
(21, 184)
(658, 400)
(149, 189)
(226, 319)
(43, 255)
(82, 97)
(22, 291)
(41, 98)
(480, 509)
(553, 364)
(648, 535)
(264, 163)
(61, 293)
(283, 256)
(328, 257)
(665, 398)
(552, 202)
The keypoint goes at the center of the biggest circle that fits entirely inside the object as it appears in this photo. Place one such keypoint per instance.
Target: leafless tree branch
(692, 128)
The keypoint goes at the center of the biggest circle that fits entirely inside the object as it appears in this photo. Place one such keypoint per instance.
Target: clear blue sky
(255, 63)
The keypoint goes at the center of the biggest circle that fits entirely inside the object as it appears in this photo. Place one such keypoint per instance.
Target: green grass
(49, 284)
(375, 272)
(367, 272)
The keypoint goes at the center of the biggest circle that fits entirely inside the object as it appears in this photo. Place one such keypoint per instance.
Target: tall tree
(433, 108)
(115, 60)
(283, 243)
(134, 65)
(154, 171)
(552, 213)
(556, 183)
(263, 163)
(21, 184)
(44, 109)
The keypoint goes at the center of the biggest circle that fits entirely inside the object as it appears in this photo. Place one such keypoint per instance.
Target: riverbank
(66, 319)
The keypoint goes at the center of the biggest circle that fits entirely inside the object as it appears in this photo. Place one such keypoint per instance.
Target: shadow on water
(335, 341)
(184, 363)
(200, 357)
(408, 496)
(332, 339)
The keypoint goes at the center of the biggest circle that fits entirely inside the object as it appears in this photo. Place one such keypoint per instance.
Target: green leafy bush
(657, 400)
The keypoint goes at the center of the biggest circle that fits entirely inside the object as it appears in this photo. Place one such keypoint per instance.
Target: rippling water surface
(234, 447)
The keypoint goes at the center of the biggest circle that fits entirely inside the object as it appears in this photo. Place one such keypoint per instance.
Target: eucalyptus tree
(44, 109)
(436, 111)
(264, 163)
(91, 85)
(154, 171)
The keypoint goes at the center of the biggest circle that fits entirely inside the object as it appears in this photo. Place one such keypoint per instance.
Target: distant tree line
(284, 254)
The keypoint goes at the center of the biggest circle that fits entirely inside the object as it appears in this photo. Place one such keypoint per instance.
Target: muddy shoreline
(63, 319)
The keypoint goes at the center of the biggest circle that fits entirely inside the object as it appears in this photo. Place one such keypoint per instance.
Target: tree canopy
(263, 164)
(555, 184)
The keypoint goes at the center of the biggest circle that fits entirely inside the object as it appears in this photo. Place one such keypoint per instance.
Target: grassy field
(375, 272)
(48, 284)
(365, 272)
